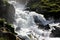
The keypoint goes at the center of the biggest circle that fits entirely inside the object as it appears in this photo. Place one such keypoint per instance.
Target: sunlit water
(25, 26)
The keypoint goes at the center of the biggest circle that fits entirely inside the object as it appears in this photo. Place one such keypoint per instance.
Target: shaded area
(49, 8)
(56, 32)
(7, 31)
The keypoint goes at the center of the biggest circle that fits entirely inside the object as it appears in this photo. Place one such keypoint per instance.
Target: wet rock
(18, 28)
(37, 20)
(40, 24)
(46, 27)
(56, 32)
(23, 37)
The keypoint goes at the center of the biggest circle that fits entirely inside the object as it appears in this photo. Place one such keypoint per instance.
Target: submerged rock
(46, 27)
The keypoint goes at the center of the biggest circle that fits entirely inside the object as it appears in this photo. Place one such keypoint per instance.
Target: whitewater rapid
(25, 25)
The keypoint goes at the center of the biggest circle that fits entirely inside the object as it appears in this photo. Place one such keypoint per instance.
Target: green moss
(3, 38)
(9, 26)
(11, 29)
(43, 4)
(2, 22)
(5, 1)
(49, 8)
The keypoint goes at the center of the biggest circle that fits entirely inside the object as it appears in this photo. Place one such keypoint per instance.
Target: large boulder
(7, 11)
(10, 14)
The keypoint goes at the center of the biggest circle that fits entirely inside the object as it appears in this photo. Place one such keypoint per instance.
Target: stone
(56, 32)
(7, 11)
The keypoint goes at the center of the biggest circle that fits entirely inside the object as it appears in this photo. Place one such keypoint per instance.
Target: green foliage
(10, 28)
(3, 7)
(2, 22)
(5, 2)
(48, 5)
(49, 8)
(2, 38)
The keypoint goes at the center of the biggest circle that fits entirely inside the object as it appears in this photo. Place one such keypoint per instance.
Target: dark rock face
(10, 14)
(7, 11)
(54, 15)
(47, 27)
(56, 32)
(9, 36)
(7, 31)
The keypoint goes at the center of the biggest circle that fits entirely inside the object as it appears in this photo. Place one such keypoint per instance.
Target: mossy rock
(10, 28)
(2, 22)
(2, 38)
(7, 26)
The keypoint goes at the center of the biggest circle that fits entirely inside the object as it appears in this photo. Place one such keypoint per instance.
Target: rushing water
(25, 25)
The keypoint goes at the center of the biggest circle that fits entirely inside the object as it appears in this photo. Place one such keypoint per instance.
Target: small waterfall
(25, 25)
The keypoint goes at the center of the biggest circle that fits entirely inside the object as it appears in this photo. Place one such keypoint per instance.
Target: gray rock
(7, 12)
(10, 13)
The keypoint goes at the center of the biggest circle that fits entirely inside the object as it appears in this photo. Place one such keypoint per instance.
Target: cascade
(25, 25)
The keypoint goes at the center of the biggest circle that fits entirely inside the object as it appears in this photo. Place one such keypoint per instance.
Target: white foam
(26, 25)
